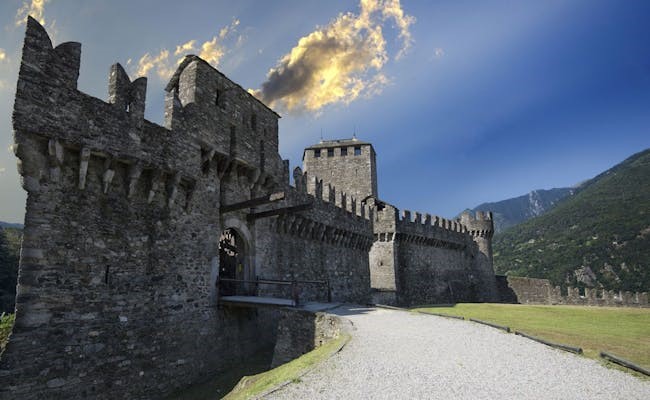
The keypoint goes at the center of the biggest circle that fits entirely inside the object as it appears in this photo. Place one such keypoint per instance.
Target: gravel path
(402, 355)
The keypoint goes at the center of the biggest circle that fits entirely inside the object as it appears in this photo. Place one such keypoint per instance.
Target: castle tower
(482, 229)
(347, 164)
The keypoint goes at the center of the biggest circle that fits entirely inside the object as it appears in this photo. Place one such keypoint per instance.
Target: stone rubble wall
(428, 259)
(329, 242)
(116, 293)
(301, 331)
(540, 291)
(353, 174)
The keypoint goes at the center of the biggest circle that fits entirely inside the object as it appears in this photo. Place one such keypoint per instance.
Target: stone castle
(134, 232)
(415, 258)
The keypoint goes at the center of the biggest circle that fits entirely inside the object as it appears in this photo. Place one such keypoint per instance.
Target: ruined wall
(540, 291)
(115, 290)
(329, 242)
(353, 174)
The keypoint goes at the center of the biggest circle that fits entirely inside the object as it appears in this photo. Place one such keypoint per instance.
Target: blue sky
(465, 101)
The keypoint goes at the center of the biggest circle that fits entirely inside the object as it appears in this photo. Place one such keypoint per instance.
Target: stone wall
(120, 240)
(329, 242)
(540, 291)
(353, 174)
(116, 295)
(428, 259)
(301, 331)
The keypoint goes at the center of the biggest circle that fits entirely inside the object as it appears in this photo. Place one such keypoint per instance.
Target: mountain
(598, 237)
(10, 225)
(513, 211)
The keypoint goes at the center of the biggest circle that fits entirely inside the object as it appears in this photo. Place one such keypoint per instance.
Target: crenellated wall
(116, 294)
(540, 291)
(117, 288)
(120, 239)
(329, 242)
(427, 259)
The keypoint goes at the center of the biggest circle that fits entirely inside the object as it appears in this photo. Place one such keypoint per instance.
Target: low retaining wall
(301, 331)
(385, 297)
(540, 291)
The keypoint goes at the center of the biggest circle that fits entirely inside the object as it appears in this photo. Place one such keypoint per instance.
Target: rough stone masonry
(130, 224)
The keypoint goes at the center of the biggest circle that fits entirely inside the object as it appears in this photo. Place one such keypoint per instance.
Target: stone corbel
(109, 173)
(155, 184)
(135, 170)
(84, 157)
(189, 195)
(55, 153)
(173, 190)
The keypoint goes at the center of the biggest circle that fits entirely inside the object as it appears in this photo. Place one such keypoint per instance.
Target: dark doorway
(232, 258)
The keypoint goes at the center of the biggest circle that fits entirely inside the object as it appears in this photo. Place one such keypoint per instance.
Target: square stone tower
(347, 164)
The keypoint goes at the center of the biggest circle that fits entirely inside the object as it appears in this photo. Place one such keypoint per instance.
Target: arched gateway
(236, 259)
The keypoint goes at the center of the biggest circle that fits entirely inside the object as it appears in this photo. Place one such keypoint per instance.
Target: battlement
(481, 225)
(427, 226)
(328, 196)
(211, 124)
(541, 291)
(347, 164)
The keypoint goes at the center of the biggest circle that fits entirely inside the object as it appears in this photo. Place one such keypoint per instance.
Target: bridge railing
(295, 286)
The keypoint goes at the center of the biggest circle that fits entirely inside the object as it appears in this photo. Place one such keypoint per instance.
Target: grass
(6, 323)
(251, 386)
(624, 332)
(220, 384)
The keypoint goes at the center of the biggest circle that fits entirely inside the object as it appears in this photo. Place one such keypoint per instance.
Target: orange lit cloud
(339, 62)
(35, 8)
(164, 62)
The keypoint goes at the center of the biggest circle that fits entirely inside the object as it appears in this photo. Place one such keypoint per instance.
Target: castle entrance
(232, 262)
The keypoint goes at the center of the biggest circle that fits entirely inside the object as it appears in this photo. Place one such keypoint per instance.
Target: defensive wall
(116, 294)
(349, 165)
(540, 291)
(426, 259)
(328, 242)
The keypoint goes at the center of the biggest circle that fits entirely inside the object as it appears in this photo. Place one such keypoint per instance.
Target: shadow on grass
(225, 381)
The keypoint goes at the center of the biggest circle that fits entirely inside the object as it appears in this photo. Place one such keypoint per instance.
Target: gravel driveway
(402, 355)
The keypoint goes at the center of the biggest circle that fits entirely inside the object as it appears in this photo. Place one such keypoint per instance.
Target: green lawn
(251, 386)
(624, 332)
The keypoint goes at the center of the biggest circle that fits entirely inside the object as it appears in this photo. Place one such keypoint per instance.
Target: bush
(6, 324)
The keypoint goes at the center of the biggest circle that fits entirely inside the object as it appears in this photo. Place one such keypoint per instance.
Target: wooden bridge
(228, 295)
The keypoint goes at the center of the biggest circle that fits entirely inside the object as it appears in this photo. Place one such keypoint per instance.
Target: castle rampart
(116, 294)
(540, 291)
(422, 259)
(130, 226)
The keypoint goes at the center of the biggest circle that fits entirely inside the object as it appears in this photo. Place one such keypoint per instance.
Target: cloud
(3, 55)
(160, 63)
(35, 8)
(2, 169)
(339, 62)
(3, 84)
(164, 63)
(185, 47)
(438, 52)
